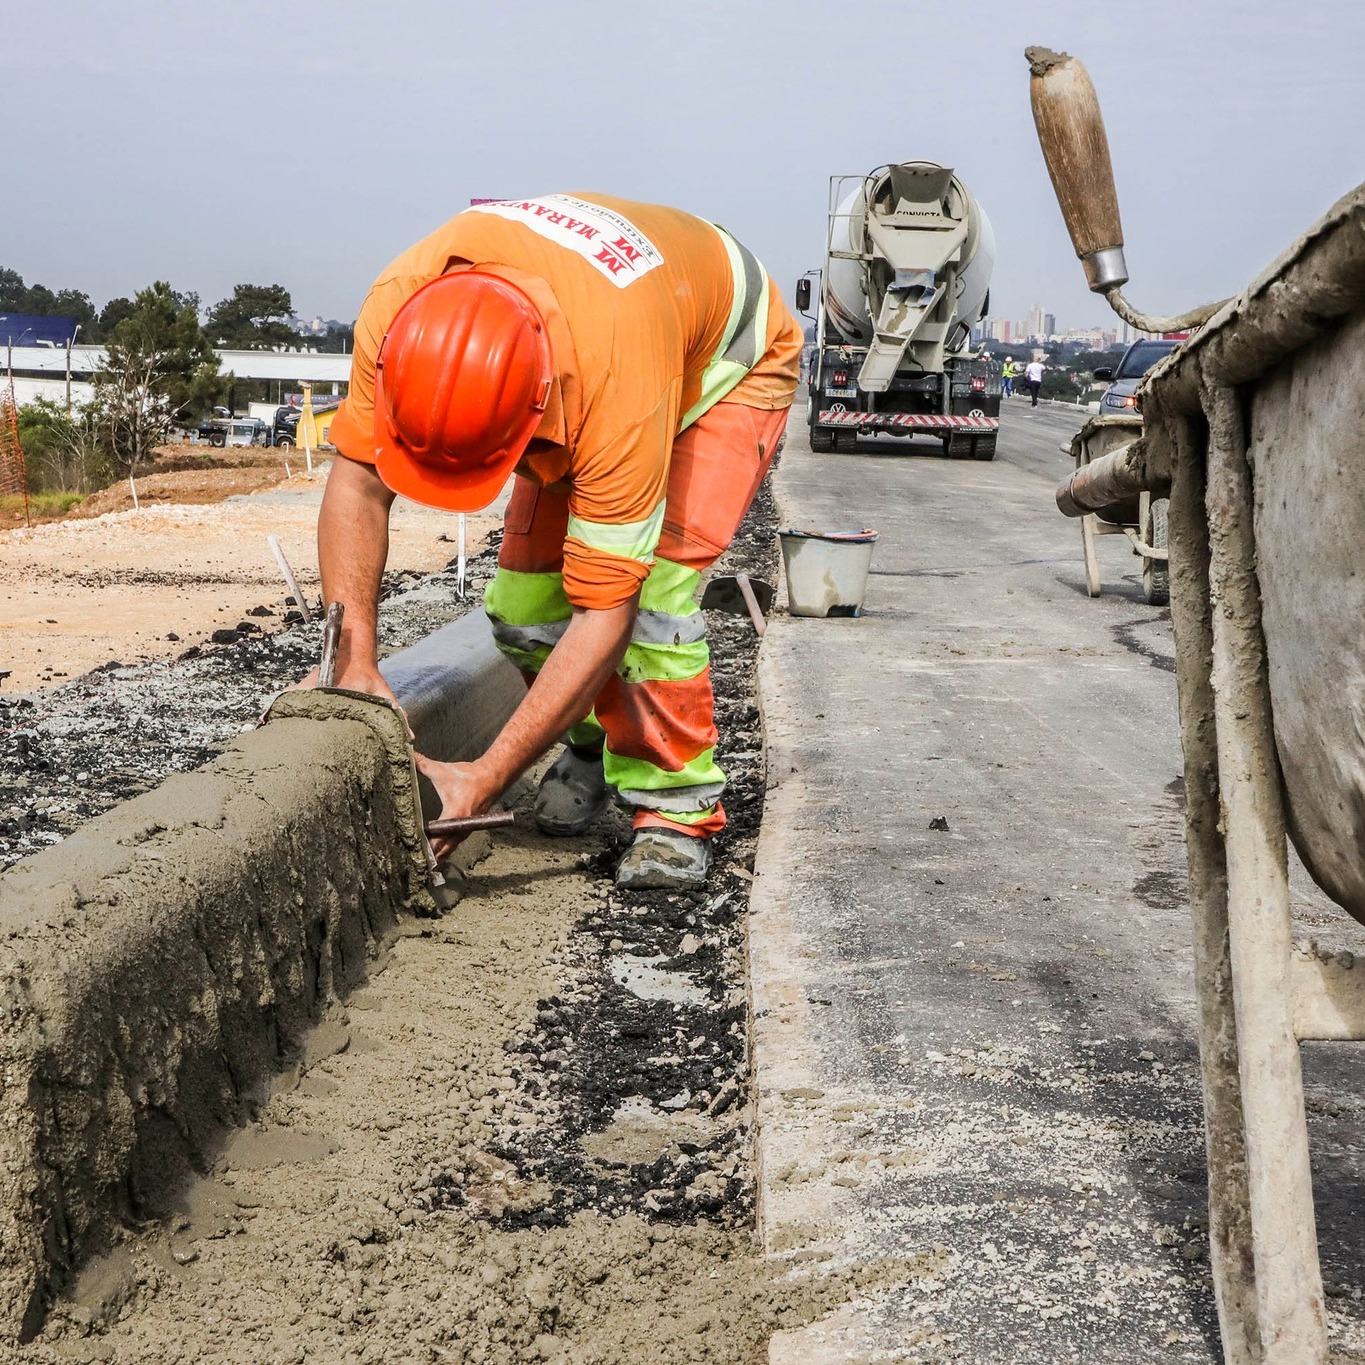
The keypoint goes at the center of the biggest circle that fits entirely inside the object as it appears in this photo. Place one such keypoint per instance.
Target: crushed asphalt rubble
(527, 1138)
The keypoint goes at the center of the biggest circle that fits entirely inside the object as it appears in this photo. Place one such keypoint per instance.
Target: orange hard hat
(463, 377)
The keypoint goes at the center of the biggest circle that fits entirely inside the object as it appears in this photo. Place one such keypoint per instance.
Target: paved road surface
(972, 987)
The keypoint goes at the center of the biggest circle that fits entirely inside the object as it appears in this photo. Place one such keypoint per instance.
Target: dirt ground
(107, 582)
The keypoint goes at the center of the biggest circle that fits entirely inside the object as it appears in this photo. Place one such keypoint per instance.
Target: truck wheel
(218, 438)
(821, 440)
(1156, 573)
(285, 442)
(846, 441)
(957, 446)
(984, 447)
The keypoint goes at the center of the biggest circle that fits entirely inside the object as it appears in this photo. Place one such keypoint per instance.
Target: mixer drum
(1307, 453)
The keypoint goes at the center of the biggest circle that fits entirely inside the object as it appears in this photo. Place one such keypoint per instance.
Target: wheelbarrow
(1253, 429)
(1141, 517)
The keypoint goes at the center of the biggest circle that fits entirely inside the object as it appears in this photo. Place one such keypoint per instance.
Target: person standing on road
(1033, 379)
(633, 365)
(1007, 373)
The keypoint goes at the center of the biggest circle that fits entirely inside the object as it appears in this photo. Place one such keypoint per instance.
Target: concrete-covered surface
(970, 950)
(157, 967)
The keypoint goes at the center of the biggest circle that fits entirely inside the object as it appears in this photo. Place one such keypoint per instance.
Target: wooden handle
(750, 601)
(1066, 111)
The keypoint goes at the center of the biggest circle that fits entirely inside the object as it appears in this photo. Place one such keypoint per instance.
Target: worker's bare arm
(563, 693)
(353, 547)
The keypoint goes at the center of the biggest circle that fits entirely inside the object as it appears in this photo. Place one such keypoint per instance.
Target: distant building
(27, 329)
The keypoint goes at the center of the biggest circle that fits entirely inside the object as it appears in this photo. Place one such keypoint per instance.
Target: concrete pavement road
(973, 999)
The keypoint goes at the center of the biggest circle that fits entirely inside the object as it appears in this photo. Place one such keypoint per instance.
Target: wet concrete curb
(161, 964)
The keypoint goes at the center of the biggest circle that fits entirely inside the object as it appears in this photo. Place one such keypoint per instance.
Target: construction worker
(633, 365)
(1007, 373)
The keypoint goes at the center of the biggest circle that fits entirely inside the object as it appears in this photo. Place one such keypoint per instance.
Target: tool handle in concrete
(468, 824)
(331, 642)
(750, 601)
(1066, 111)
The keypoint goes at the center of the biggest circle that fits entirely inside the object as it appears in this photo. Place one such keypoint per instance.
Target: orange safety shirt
(637, 299)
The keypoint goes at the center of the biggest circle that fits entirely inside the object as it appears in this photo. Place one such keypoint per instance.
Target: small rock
(689, 945)
(225, 637)
(939, 822)
(171, 635)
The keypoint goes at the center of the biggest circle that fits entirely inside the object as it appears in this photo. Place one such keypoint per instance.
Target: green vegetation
(64, 455)
(160, 368)
(41, 504)
(255, 318)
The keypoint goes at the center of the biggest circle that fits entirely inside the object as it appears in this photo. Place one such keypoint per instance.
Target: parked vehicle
(1121, 395)
(285, 429)
(233, 431)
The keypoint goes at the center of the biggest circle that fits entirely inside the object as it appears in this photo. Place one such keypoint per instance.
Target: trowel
(738, 594)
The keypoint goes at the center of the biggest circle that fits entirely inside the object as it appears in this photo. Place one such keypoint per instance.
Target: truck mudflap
(919, 421)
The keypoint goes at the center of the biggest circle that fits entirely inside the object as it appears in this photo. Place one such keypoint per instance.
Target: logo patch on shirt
(612, 245)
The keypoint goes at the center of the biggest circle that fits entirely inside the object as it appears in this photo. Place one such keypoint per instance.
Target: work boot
(664, 860)
(573, 793)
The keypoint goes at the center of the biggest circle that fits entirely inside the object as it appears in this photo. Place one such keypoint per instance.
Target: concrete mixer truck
(907, 276)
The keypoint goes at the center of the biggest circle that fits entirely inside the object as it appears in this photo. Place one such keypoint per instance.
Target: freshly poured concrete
(157, 967)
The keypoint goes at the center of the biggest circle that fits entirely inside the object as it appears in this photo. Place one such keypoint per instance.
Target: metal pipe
(1120, 474)
(469, 824)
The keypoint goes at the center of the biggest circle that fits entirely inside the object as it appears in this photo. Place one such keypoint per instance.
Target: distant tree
(40, 301)
(73, 303)
(255, 318)
(114, 312)
(337, 340)
(13, 291)
(65, 453)
(160, 366)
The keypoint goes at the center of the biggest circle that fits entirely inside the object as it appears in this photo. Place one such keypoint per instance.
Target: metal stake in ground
(462, 559)
(290, 581)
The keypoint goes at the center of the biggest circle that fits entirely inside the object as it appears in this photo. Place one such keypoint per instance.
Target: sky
(308, 142)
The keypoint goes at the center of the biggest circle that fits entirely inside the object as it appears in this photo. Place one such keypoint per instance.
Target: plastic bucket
(826, 571)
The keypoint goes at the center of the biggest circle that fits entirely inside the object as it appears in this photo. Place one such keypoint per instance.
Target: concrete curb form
(161, 964)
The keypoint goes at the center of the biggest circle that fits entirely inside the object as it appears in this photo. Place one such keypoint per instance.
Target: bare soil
(107, 582)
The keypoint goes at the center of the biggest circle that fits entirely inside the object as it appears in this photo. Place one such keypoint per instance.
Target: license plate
(841, 393)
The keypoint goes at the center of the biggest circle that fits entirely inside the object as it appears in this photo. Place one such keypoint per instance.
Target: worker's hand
(463, 791)
(354, 679)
